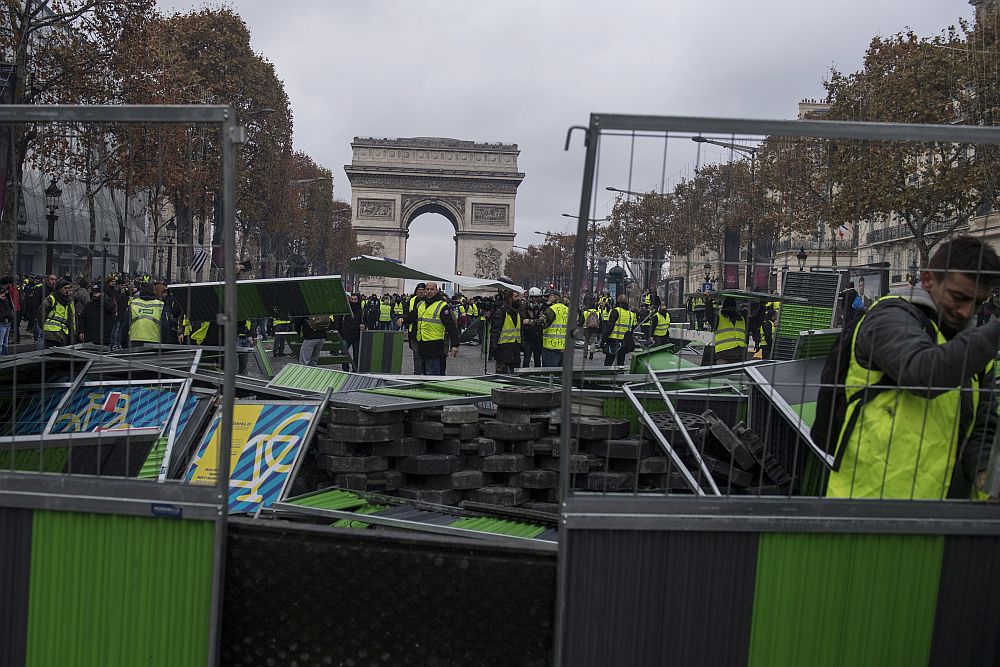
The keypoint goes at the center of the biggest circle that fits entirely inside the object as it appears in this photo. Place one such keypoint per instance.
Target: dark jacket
(96, 321)
(6, 308)
(435, 348)
(508, 353)
(892, 339)
(350, 325)
(307, 332)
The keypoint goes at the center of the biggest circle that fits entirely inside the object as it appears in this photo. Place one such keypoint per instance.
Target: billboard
(267, 440)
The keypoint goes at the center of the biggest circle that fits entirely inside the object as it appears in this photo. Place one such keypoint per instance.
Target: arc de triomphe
(471, 184)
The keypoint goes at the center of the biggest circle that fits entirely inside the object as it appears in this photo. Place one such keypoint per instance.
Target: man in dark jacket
(97, 319)
(350, 328)
(618, 337)
(928, 415)
(505, 332)
(8, 318)
(435, 325)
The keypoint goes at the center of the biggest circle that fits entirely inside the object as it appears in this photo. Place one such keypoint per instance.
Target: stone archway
(472, 184)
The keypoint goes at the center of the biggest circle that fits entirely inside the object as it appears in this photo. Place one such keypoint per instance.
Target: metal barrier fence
(83, 418)
(738, 533)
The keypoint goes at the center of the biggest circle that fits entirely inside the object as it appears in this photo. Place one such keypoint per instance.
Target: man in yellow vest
(282, 329)
(921, 409)
(553, 323)
(397, 310)
(505, 333)
(433, 320)
(730, 333)
(619, 333)
(385, 314)
(58, 318)
(592, 320)
(697, 308)
(660, 324)
(146, 317)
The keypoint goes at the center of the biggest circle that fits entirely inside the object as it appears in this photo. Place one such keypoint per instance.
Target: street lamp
(914, 278)
(752, 152)
(547, 235)
(593, 242)
(52, 195)
(104, 259)
(171, 227)
(801, 256)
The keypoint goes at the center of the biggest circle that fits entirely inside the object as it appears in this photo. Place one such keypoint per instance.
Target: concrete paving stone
(624, 448)
(599, 428)
(720, 433)
(655, 464)
(356, 417)
(427, 429)
(459, 414)
(462, 431)
(467, 479)
(446, 446)
(501, 479)
(436, 496)
(527, 397)
(723, 470)
(527, 448)
(546, 495)
(545, 415)
(358, 482)
(327, 445)
(513, 415)
(611, 481)
(505, 463)
(511, 432)
(432, 414)
(489, 447)
(463, 479)
(383, 433)
(772, 467)
(428, 464)
(471, 462)
(469, 446)
(578, 463)
(351, 463)
(507, 496)
(538, 479)
(401, 447)
(673, 481)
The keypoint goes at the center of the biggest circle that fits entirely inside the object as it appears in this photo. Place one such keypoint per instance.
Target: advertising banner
(267, 439)
(116, 407)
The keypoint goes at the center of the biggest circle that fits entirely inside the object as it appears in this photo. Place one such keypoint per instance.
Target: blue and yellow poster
(267, 438)
(109, 408)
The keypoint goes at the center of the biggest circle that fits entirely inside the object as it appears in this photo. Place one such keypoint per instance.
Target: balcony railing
(813, 244)
(897, 232)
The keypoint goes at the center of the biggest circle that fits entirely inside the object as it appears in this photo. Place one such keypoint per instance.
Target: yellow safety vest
(605, 314)
(384, 312)
(554, 335)
(592, 311)
(429, 326)
(625, 323)
(185, 326)
(278, 323)
(901, 444)
(198, 337)
(729, 334)
(146, 317)
(473, 310)
(397, 309)
(648, 299)
(59, 316)
(661, 327)
(511, 331)
(698, 302)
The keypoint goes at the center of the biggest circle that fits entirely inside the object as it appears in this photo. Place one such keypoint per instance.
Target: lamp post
(52, 195)
(171, 227)
(104, 259)
(801, 256)
(914, 278)
(647, 262)
(547, 235)
(593, 244)
(752, 152)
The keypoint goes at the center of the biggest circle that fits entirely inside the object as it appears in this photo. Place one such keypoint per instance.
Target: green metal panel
(659, 359)
(49, 459)
(795, 318)
(151, 467)
(298, 376)
(842, 599)
(119, 590)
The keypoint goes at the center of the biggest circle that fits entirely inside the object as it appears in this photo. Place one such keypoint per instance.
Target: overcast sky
(523, 71)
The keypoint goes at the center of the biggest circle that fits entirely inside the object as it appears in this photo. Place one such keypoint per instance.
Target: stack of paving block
(355, 448)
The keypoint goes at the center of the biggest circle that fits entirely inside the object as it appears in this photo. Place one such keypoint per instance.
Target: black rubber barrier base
(312, 595)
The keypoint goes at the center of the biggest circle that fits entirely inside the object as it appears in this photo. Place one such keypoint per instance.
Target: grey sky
(523, 71)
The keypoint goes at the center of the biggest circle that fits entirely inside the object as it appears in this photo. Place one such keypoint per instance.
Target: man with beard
(350, 328)
(921, 410)
(505, 332)
(532, 344)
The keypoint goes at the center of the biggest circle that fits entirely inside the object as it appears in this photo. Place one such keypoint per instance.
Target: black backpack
(832, 402)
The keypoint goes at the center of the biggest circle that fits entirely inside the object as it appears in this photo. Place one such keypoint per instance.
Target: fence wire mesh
(800, 308)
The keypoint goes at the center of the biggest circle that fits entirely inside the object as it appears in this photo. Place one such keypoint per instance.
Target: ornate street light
(52, 195)
(104, 259)
(802, 256)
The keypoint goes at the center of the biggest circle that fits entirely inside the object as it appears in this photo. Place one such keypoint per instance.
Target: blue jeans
(115, 330)
(552, 358)
(432, 366)
(4, 338)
